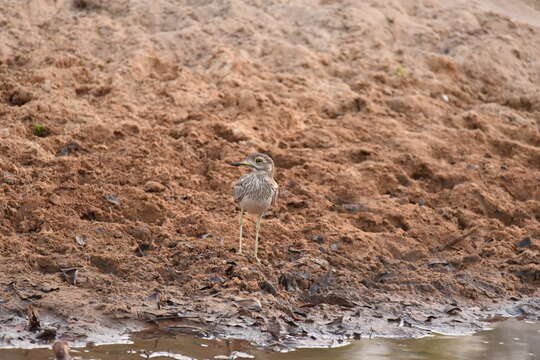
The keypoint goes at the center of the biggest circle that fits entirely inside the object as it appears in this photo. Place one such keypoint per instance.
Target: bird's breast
(255, 206)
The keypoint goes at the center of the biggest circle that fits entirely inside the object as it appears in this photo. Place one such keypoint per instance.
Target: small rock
(533, 244)
(250, 304)
(153, 186)
(70, 147)
(240, 355)
(10, 178)
(452, 310)
(352, 208)
(55, 199)
(4, 132)
(334, 246)
(80, 240)
(61, 350)
(47, 288)
(268, 287)
(113, 199)
(47, 334)
(526, 242)
(319, 239)
(215, 279)
(445, 98)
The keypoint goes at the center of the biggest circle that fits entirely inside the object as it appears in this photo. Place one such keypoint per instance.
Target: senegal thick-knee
(256, 191)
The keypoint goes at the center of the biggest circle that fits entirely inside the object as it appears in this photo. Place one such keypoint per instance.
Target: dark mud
(321, 325)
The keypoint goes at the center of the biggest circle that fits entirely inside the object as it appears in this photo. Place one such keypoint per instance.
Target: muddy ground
(406, 136)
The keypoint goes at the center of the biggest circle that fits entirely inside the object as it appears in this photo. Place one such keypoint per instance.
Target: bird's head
(257, 162)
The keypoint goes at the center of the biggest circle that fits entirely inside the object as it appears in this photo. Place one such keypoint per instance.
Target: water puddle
(510, 339)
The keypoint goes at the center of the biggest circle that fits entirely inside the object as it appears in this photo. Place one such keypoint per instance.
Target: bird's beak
(240, 163)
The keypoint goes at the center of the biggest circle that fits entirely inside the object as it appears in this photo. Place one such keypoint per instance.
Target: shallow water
(511, 339)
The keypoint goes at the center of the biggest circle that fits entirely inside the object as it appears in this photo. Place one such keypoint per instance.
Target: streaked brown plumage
(256, 191)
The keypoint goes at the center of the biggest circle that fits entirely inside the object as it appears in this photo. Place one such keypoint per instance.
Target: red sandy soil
(406, 136)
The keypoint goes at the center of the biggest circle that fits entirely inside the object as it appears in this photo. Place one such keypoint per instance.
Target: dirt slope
(396, 128)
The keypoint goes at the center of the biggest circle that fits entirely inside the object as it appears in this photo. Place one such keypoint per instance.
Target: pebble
(250, 304)
(55, 199)
(81, 240)
(445, 98)
(268, 287)
(240, 355)
(319, 239)
(70, 148)
(153, 186)
(526, 242)
(113, 199)
(10, 178)
(61, 350)
(215, 279)
(352, 208)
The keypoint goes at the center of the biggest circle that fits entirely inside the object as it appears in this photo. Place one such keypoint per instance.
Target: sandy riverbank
(405, 135)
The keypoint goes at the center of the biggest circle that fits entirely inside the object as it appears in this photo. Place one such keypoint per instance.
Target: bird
(61, 351)
(256, 191)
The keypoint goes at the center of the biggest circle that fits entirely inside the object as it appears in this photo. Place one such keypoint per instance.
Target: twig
(458, 239)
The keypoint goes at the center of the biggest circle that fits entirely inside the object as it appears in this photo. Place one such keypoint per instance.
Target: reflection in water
(511, 339)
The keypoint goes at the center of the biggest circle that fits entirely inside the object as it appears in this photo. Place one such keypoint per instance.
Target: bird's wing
(240, 189)
(276, 193)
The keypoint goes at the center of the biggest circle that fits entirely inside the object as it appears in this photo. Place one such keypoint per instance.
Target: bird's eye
(258, 160)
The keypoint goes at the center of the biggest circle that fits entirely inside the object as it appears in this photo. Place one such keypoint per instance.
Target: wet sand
(511, 339)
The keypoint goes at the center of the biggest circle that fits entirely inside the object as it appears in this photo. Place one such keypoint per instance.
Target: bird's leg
(241, 225)
(257, 227)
